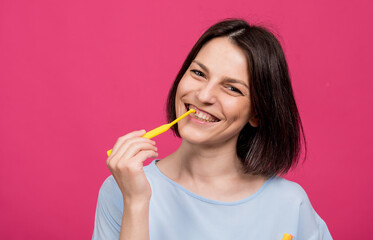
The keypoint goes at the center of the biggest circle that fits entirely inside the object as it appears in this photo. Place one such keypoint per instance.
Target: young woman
(223, 181)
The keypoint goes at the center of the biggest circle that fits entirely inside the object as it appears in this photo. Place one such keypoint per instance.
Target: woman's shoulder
(109, 184)
(109, 209)
(287, 189)
(291, 197)
(110, 192)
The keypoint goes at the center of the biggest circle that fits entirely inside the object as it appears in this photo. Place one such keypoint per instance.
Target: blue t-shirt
(175, 213)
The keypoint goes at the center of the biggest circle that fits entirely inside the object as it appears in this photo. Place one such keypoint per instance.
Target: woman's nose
(207, 93)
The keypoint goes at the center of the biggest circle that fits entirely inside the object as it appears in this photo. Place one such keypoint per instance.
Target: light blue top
(175, 213)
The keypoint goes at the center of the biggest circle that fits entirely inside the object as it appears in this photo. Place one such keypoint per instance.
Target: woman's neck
(207, 164)
(214, 173)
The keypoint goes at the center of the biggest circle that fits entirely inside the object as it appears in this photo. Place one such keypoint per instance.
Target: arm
(128, 185)
(110, 223)
(126, 165)
(135, 221)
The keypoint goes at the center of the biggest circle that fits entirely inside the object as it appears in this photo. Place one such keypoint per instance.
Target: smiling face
(216, 84)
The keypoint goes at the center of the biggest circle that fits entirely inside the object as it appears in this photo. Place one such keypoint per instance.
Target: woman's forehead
(223, 58)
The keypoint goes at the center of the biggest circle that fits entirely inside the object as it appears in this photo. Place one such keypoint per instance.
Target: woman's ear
(254, 121)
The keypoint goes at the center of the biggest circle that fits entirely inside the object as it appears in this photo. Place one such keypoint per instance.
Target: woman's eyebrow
(201, 65)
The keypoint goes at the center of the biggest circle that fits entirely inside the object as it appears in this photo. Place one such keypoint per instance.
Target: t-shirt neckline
(204, 199)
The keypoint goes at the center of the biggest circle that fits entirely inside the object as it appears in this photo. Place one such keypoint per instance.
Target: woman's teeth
(202, 116)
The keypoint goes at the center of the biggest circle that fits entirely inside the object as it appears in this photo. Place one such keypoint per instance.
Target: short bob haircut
(274, 146)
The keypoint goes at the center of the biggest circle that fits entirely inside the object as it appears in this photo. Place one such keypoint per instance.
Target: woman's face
(216, 85)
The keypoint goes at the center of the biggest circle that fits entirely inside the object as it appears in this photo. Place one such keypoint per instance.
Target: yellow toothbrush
(287, 237)
(161, 129)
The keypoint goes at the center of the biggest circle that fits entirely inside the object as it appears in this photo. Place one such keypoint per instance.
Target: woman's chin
(195, 137)
(198, 138)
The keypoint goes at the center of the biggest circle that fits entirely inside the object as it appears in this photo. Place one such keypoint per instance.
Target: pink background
(75, 75)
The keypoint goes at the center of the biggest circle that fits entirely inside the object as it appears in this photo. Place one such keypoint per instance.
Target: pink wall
(75, 75)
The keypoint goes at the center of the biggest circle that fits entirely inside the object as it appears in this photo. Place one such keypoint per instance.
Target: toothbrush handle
(287, 237)
(161, 129)
(157, 131)
(109, 152)
(150, 134)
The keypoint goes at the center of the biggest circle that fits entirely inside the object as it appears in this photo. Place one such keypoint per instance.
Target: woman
(221, 183)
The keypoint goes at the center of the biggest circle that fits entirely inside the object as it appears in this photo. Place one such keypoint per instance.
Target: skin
(206, 162)
(126, 165)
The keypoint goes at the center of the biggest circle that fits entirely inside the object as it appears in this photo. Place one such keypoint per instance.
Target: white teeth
(202, 116)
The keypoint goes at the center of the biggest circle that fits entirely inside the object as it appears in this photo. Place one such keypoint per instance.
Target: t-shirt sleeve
(310, 224)
(109, 211)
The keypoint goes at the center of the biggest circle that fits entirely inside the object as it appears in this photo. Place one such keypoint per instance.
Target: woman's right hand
(126, 165)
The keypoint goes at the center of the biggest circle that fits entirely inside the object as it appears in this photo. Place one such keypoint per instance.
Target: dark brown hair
(274, 146)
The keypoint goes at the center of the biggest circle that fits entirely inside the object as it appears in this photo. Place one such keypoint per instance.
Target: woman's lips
(202, 114)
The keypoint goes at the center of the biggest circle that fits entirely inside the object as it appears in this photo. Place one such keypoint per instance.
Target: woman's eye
(233, 89)
(198, 73)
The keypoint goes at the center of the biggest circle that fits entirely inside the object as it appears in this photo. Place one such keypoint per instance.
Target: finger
(143, 155)
(130, 148)
(139, 158)
(129, 142)
(120, 142)
(122, 139)
(135, 148)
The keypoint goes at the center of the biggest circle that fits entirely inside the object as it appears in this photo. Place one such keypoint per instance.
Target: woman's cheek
(236, 108)
(188, 85)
